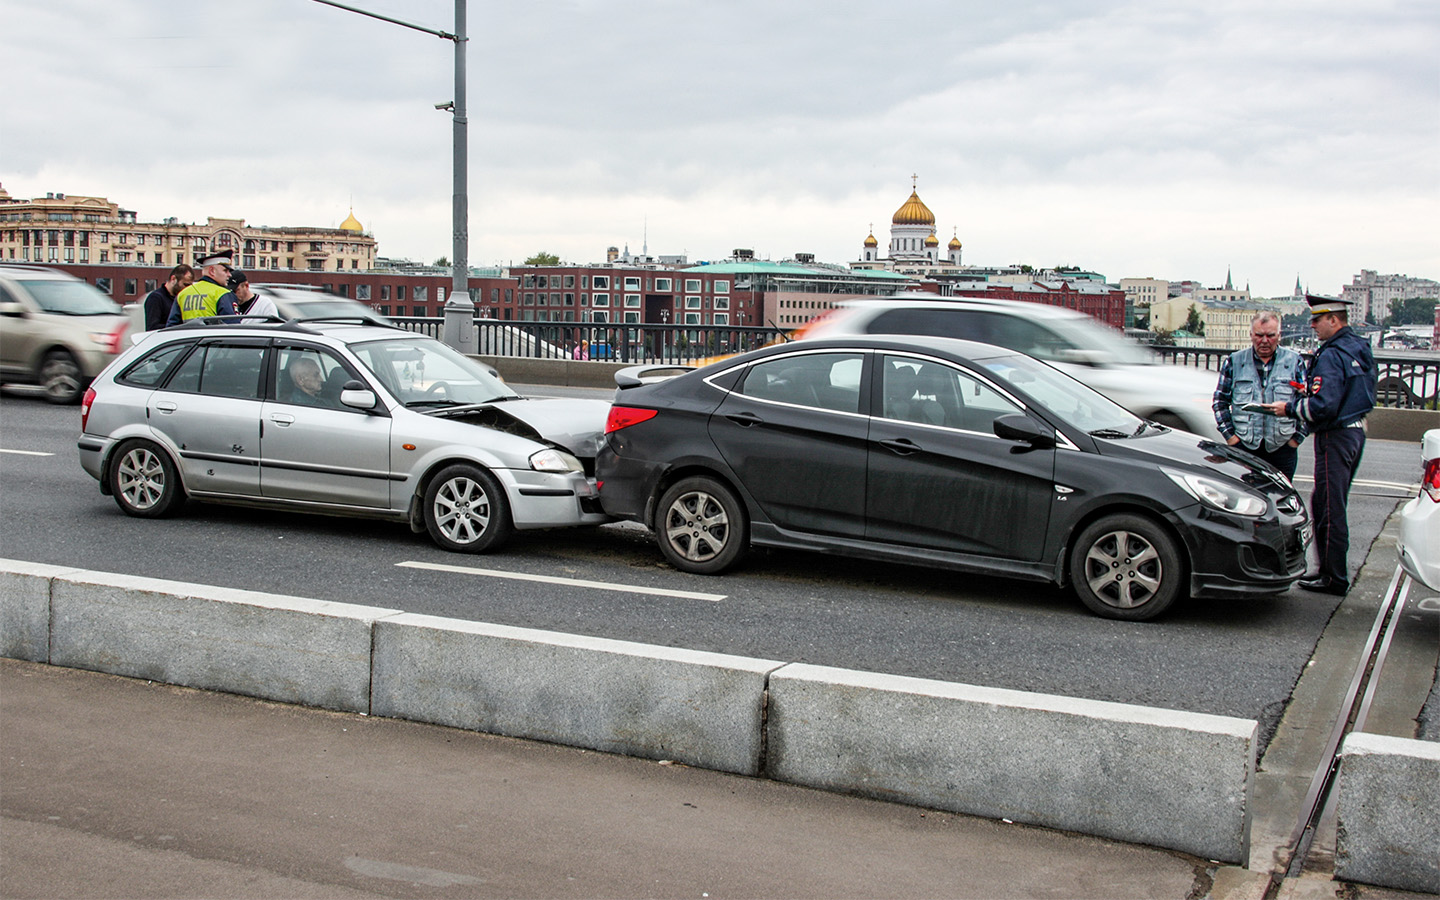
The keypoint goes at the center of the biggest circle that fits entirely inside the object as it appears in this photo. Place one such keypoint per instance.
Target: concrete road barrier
(1150, 776)
(703, 709)
(1388, 813)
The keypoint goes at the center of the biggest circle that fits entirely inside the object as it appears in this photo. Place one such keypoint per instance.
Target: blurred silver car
(1072, 342)
(292, 301)
(55, 331)
(355, 419)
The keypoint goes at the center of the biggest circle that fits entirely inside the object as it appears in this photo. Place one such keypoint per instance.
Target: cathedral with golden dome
(914, 247)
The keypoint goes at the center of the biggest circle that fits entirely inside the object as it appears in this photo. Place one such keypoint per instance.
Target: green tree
(1412, 311)
(1164, 338)
(442, 262)
(543, 259)
(1193, 323)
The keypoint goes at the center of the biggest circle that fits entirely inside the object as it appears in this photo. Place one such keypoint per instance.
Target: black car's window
(149, 370)
(916, 390)
(221, 370)
(821, 380)
(309, 376)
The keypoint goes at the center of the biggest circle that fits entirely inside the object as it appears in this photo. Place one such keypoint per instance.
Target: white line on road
(568, 582)
(25, 452)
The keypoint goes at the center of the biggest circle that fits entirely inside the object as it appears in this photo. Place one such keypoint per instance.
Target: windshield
(1072, 402)
(1097, 342)
(423, 372)
(70, 298)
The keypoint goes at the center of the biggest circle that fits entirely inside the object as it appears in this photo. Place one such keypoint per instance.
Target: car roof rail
(358, 319)
(239, 319)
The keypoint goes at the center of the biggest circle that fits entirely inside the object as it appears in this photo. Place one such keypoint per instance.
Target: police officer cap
(236, 278)
(1319, 305)
(218, 258)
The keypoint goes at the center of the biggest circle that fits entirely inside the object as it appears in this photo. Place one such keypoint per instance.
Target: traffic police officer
(1340, 392)
(209, 296)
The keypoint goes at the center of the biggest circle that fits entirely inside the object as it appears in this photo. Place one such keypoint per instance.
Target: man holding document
(1260, 374)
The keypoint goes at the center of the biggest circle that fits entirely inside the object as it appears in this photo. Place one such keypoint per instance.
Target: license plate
(1307, 535)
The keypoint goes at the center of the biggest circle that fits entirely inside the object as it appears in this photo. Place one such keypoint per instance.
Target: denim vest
(1255, 428)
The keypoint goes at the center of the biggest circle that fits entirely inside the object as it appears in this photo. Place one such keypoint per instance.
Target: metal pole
(459, 308)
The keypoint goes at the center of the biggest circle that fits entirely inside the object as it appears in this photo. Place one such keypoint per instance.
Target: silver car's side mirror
(356, 395)
(11, 308)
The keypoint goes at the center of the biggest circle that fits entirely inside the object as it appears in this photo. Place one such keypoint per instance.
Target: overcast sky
(1273, 138)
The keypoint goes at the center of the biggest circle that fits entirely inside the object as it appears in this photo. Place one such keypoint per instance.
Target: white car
(1419, 544)
(1074, 343)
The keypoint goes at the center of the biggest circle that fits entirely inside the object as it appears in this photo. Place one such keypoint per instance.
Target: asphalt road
(1229, 658)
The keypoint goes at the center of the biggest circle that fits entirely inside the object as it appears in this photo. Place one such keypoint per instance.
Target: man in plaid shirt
(1261, 373)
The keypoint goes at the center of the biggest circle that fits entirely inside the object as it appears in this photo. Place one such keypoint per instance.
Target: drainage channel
(1317, 811)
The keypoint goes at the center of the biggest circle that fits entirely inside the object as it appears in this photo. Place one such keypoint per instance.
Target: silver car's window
(421, 372)
(308, 376)
(221, 370)
(1075, 404)
(928, 393)
(150, 369)
(70, 298)
(821, 380)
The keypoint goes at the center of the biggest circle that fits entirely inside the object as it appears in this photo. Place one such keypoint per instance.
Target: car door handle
(901, 446)
(282, 419)
(166, 406)
(746, 419)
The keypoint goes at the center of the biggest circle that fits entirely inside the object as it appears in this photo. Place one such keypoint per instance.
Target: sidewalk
(111, 787)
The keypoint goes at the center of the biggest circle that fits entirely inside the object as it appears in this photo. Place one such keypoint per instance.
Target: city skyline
(1177, 142)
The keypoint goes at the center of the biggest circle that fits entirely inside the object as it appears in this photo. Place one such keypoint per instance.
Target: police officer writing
(209, 296)
(1261, 373)
(1340, 392)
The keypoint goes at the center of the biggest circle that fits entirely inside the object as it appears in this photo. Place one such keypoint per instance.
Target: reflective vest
(200, 299)
(1255, 429)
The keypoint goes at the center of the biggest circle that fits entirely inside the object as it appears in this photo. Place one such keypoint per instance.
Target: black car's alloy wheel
(1126, 567)
(143, 480)
(701, 526)
(466, 510)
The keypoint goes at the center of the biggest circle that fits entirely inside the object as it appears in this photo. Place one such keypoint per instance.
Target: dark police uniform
(1340, 392)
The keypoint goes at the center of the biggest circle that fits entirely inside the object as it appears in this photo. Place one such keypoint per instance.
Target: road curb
(1169, 779)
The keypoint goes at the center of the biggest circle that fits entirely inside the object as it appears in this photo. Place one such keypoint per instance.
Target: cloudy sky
(1272, 138)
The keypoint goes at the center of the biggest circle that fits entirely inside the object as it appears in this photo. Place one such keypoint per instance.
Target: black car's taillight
(625, 416)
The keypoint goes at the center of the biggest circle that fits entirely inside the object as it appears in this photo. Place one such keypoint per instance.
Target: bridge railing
(1405, 380)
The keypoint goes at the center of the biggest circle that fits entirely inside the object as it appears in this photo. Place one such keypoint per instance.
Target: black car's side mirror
(1020, 427)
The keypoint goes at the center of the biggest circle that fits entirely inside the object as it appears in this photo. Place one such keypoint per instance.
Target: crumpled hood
(574, 423)
(1180, 449)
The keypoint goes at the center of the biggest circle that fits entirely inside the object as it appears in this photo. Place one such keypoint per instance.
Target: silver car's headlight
(1214, 493)
(553, 460)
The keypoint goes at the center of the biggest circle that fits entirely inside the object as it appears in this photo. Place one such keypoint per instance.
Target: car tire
(466, 510)
(143, 480)
(61, 378)
(701, 526)
(1127, 567)
(1169, 420)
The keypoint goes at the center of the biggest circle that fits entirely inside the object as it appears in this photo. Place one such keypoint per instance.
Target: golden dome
(914, 212)
(871, 242)
(352, 224)
(954, 243)
(932, 240)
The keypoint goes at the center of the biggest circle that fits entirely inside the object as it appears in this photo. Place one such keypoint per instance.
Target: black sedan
(943, 453)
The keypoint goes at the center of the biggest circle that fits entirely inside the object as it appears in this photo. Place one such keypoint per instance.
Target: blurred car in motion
(1074, 343)
(1419, 543)
(55, 331)
(350, 418)
(293, 301)
(943, 453)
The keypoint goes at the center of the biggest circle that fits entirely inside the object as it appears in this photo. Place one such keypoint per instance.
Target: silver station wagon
(347, 417)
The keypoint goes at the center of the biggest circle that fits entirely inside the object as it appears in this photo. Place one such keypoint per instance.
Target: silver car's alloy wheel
(140, 479)
(1123, 569)
(60, 377)
(462, 510)
(697, 527)
(466, 510)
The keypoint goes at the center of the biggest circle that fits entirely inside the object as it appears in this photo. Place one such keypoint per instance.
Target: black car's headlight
(552, 460)
(1219, 495)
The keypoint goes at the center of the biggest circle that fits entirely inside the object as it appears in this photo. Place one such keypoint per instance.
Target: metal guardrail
(1405, 380)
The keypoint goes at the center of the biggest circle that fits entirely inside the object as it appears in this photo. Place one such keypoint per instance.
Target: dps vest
(1257, 429)
(200, 299)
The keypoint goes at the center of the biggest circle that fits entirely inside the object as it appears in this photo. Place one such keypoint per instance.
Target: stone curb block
(25, 609)
(702, 709)
(1150, 776)
(1388, 812)
(289, 649)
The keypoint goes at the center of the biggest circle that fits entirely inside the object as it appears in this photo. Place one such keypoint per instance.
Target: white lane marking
(568, 582)
(1360, 482)
(25, 452)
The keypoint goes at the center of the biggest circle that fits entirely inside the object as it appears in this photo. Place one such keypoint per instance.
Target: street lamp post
(459, 330)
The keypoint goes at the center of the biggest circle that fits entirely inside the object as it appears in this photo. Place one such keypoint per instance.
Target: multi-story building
(67, 229)
(1374, 295)
(1227, 322)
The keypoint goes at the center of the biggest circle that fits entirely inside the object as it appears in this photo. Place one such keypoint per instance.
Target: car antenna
(784, 335)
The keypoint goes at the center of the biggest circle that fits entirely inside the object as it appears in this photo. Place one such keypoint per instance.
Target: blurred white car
(294, 301)
(1074, 343)
(1419, 544)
